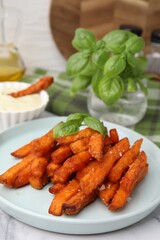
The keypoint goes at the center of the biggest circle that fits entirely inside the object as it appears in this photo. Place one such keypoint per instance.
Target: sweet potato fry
(36, 87)
(108, 192)
(80, 145)
(133, 176)
(23, 151)
(77, 202)
(38, 166)
(56, 188)
(61, 197)
(100, 169)
(96, 144)
(61, 154)
(51, 168)
(87, 132)
(38, 182)
(114, 136)
(71, 165)
(22, 177)
(122, 165)
(39, 146)
(8, 177)
(107, 141)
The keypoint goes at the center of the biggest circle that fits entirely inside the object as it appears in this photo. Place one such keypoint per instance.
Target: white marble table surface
(12, 229)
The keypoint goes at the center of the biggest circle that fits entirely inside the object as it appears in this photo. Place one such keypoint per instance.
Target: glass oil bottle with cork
(11, 63)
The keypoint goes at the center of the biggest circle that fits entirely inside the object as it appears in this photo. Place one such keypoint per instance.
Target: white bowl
(9, 118)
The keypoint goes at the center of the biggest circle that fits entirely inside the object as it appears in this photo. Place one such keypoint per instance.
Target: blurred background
(48, 26)
(35, 42)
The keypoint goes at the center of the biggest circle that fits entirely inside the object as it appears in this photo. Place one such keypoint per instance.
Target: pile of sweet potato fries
(82, 167)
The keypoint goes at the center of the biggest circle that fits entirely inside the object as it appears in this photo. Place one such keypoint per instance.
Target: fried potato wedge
(114, 136)
(8, 177)
(36, 87)
(107, 141)
(51, 168)
(100, 169)
(122, 165)
(61, 197)
(22, 177)
(56, 187)
(87, 132)
(71, 165)
(80, 145)
(77, 202)
(96, 144)
(39, 146)
(108, 192)
(38, 182)
(38, 166)
(61, 154)
(82, 172)
(133, 176)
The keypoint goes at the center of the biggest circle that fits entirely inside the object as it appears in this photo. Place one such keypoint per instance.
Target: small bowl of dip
(17, 110)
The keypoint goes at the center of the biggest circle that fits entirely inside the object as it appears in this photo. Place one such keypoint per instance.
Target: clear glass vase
(128, 111)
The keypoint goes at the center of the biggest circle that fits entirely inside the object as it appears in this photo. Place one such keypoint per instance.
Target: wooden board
(101, 17)
(67, 15)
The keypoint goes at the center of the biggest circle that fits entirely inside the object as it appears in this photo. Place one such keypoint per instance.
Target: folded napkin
(62, 104)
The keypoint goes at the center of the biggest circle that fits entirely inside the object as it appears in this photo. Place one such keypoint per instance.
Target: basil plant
(110, 65)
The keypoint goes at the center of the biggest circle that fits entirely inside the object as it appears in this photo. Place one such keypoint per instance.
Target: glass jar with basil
(112, 72)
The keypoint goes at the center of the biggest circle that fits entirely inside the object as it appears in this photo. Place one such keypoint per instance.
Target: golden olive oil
(11, 65)
(10, 73)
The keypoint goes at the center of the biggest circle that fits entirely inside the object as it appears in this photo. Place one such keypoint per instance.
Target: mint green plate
(31, 206)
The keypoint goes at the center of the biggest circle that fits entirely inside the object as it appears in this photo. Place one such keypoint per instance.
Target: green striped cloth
(62, 104)
(149, 126)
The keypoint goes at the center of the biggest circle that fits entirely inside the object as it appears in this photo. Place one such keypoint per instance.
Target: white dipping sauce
(9, 103)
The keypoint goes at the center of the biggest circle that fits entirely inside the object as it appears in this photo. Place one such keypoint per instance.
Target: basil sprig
(110, 65)
(75, 121)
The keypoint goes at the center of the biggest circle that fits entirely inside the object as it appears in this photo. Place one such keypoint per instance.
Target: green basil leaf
(95, 124)
(135, 44)
(127, 72)
(141, 64)
(97, 77)
(99, 45)
(131, 60)
(83, 39)
(116, 37)
(114, 66)
(66, 128)
(77, 116)
(100, 57)
(79, 83)
(132, 85)
(88, 70)
(111, 89)
(143, 87)
(86, 53)
(116, 48)
(76, 63)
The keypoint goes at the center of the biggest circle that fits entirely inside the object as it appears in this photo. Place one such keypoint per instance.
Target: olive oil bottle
(11, 64)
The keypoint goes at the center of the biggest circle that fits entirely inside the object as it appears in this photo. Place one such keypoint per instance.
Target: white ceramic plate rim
(149, 209)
